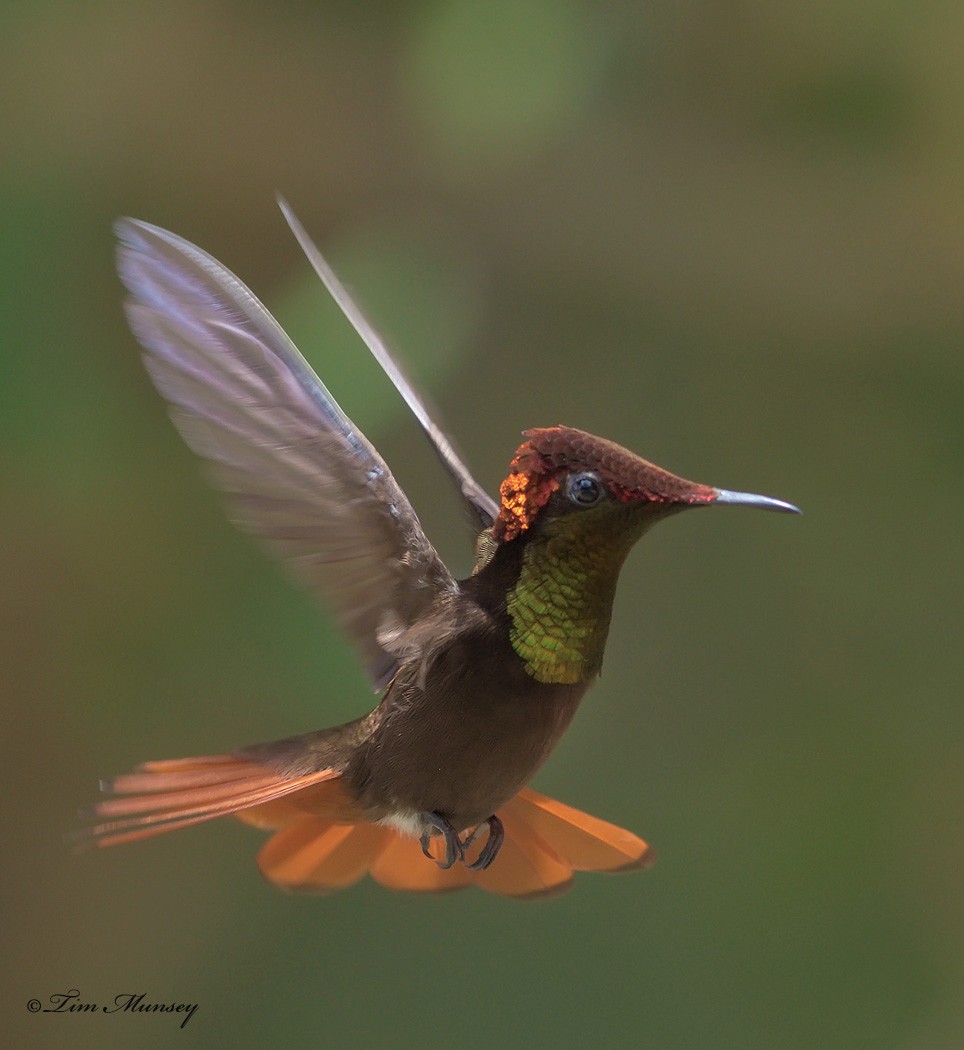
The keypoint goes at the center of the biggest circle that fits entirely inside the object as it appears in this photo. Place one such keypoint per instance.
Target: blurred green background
(729, 236)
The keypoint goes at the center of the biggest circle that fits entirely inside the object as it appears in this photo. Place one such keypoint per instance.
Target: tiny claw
(453, 846)
(493, 844)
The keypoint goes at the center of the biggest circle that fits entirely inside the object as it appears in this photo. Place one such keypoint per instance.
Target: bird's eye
(584, 489)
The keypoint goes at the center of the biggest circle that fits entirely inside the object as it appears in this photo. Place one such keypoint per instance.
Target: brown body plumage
(481, 676)
(461, 744)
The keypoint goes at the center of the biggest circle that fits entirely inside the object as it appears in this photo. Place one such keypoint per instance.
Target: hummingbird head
(571, 508)
(559, 471)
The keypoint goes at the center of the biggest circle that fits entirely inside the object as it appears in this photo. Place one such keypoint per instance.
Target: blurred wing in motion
(295, 469)
(479, 501)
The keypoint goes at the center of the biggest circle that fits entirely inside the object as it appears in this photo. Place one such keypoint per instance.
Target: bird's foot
(493, 843)
(455, 847)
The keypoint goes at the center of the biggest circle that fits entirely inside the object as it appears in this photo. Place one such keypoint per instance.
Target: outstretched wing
(478, 500)
(295, 469)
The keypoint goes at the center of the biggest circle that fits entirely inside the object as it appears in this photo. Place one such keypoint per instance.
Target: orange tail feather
(164, 796)
(527, 866)
(317, 856)
(402, 866)
(586, 843)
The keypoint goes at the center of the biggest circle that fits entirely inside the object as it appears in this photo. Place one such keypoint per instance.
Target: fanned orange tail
(545, 843)
(322, 844)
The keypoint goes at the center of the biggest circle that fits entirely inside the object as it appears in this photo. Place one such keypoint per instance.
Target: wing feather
(476, 498)
(297, 472)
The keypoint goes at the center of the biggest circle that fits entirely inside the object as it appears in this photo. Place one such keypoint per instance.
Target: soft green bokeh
(729, 237)
(488, 82)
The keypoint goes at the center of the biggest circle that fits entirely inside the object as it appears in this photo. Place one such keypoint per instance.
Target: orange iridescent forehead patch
(523, 494)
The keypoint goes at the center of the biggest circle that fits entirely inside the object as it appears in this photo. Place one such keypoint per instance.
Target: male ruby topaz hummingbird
(479, 678)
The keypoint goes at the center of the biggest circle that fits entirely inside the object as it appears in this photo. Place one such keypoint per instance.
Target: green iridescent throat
(562, 601)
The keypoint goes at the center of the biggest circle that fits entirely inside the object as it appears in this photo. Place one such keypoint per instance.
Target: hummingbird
(478, 678)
